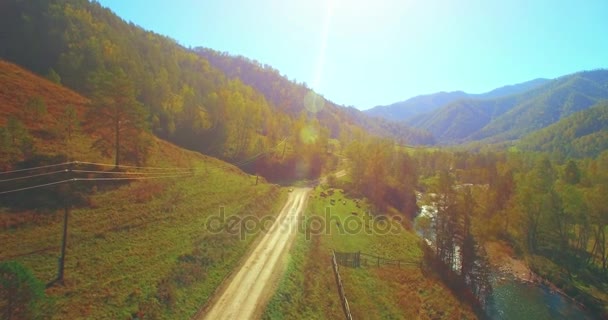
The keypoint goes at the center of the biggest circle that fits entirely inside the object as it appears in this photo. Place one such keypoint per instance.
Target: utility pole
(117, 142)
(284, 146)
(64, 240)
(66, 214)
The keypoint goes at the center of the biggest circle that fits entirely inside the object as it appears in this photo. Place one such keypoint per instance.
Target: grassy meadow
(139, 248)
(144, 245)
(308, 289)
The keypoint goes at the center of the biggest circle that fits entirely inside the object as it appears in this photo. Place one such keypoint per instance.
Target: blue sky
(373, 52)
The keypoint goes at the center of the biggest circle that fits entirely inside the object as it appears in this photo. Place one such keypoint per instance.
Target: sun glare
(323, 39)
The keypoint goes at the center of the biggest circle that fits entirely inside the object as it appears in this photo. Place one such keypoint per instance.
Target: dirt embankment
(503, 259)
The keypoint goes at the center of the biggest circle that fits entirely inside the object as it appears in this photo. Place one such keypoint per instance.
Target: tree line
(551, 211)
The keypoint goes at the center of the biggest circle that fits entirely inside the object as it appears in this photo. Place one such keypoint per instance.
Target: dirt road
(246, 294)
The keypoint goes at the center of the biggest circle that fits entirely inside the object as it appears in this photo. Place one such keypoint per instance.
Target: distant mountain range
(404, 110)
(502, 115)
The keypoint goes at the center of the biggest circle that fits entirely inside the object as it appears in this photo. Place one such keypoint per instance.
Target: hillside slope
(509, 118)
(554, 101)
(583, 134)
(294, 98)
(143, 247)
(187, 100)
(19, 88)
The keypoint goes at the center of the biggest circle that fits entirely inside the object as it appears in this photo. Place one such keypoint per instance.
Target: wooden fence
(343, 299)
(360, 259)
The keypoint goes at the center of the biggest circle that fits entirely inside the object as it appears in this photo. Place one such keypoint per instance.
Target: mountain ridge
(582, 134)
(404, 110)
(508, 118)
(295, 98)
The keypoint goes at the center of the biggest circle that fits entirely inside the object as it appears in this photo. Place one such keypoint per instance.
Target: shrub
(21, 293)
(166, 293)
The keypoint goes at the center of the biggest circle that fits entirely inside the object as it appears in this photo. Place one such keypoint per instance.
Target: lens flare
(313, 102)
(309, 135)
(324, 37)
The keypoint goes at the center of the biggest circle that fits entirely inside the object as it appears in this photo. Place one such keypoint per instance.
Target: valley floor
(309, 290)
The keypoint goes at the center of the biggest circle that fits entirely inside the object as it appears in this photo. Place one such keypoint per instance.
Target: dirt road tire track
(247, 293)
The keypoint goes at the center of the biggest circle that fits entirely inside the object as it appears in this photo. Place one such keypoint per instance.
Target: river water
(513, 299)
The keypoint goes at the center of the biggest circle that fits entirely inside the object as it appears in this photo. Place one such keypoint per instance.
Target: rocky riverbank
(508, 267)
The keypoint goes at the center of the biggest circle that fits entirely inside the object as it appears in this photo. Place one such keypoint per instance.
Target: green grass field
(139, 235)
(142, 246)
(308, 289)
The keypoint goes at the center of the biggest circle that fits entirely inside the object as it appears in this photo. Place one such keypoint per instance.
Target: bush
(166, 293)
(149, 309)
(21, 293)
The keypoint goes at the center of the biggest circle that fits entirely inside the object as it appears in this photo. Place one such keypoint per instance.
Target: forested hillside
(552, 102)
(509, 118)
(583, 134)
(176, 93)
(420, 105)
(185, 99)
(294, 98)
(167, 89)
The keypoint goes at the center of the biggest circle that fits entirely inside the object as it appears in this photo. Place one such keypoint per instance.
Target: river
(513, 299)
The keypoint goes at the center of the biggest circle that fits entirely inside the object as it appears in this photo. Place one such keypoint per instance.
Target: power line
(246, 161)
(37, 186)
(95, 179)
(132, 173)
(130, 178)
(92, 171)
(261, 154)
(165, 174)
(83, 163)
(132, 167)
(35, 175)
(35, 168)
(169, 172)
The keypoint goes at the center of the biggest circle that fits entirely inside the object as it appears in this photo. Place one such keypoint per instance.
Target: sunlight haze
(304, 159)
(366, 53)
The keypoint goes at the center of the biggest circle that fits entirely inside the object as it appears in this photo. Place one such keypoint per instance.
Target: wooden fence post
(343, 300)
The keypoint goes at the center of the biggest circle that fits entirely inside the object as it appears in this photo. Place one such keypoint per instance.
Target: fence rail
(360, 259)
(343, 299)
(357, 260)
